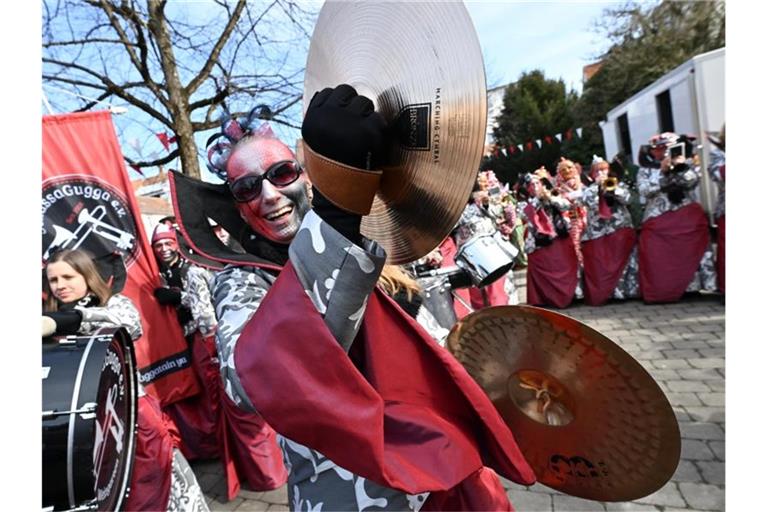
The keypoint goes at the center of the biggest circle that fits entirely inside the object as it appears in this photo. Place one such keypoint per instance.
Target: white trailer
(689, 99)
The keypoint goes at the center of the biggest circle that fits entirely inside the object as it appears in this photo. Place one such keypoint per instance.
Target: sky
(556, 37)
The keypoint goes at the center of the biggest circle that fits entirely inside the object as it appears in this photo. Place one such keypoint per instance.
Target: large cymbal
(600, 429)
(422, 66)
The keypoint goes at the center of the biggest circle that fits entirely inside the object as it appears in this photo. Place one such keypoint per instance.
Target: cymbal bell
(421, 65)
(588, 418)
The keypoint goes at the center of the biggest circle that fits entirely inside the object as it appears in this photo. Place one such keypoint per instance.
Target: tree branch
(154, 163)
(205, 71)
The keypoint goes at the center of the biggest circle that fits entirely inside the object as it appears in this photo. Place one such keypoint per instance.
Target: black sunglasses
(281, 174)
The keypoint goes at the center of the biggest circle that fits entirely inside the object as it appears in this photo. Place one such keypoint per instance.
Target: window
(625, 143)
(664, 112)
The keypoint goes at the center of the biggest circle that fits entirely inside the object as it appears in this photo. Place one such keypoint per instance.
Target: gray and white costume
(651, 183)
(338, 277)
(716, 161)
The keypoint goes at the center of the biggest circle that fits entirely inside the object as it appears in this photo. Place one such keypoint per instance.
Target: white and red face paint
(277, 212)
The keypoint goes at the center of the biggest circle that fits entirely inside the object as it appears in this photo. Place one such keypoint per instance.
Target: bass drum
(89, 420)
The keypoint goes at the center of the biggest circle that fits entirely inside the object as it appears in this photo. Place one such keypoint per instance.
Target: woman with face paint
(674, 250)
(552, 277)
(609, 240)
(307, 339)
(79, 301)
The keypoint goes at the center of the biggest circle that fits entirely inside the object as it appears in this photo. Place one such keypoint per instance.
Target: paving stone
(208, 481)
(705, 431)
(629, 506)
(221, 504)
(252, 506)
(570, 503)
(706, 414)
(683, 399)
(716, 386)
(699, 336)
(703, 496)
(712, 352)
(527, 501)
(277, 496)
(710, 362)
(649, 355)
(689, 386)
(689, 344)
(715, 327)
(712, 399)
(699, 374)
(278, 508)
(667, 496)
(671, 364)
(686, 471)
(250, 495)
(718, 448)
(680, 354)
(713, 472)
(693, 449)
(663, 375)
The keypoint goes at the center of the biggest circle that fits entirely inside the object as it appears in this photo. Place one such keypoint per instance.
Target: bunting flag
(88, 202)
(578, 132)
(137, 169)
(504, 151)
(548, 139)
(520, 147)
(512, 149)
(165, 140)
(559, 137)
(529, 145)
(538, 142)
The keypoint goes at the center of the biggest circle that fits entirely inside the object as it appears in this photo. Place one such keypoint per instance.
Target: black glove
(675, 193)
(168, 296)
(343, 126)
(67, 322)
(346, 223)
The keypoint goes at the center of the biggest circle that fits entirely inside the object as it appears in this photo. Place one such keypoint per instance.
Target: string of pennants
(538, 143)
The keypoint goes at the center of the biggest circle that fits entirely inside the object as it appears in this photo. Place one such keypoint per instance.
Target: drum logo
(111, 432)
(83, 212)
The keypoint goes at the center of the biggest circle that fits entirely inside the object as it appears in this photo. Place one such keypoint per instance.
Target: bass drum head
(115, 440)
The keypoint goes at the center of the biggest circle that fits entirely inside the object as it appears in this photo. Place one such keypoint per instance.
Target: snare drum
(89, 419)
(486, 258)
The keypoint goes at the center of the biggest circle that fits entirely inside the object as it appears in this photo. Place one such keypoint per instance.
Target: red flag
(88, 202)
(529, 146)
(512, 149)
(568, 134)
(137, 169)
(165, 140)
(548, 139)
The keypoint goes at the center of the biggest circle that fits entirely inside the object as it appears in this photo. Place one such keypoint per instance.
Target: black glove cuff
(67, 322)
(168, 296)
(346, 223)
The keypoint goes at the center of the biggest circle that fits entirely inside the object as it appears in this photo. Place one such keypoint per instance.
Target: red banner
(88, 203)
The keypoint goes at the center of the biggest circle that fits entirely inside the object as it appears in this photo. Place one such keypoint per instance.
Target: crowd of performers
(319, 366)
(577, 237)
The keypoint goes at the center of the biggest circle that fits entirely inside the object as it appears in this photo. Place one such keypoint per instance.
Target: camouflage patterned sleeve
(237, 294)
(622, 194)
(118, 312)
(197, 297)
(648, 182)
(337, 275)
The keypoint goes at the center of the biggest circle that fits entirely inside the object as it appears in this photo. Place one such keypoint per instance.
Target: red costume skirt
(721, 253)
(604, 261)
(552, 274)
(670, 250)
(156, 437)
(198, 417)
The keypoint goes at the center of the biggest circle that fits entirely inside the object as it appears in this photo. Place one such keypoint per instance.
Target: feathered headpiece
(219, 145)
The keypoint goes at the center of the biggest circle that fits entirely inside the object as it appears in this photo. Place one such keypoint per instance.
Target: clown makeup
(166, 251)
(277, 211)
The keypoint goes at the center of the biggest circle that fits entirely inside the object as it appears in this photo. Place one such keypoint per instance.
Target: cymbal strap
(349, 188)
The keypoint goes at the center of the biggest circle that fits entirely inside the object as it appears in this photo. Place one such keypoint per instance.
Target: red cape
(670, 250)
(552, 274)
(414, 420)
(604, 261)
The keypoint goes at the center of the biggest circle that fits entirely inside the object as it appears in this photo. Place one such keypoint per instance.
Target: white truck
(690, 99)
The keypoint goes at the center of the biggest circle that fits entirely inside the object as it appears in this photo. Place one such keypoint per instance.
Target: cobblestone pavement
(682, 346)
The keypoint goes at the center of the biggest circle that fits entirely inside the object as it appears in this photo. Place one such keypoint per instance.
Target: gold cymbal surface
(421, 65)
(588, 418)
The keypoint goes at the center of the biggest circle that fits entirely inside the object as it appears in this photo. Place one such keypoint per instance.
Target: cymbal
(588, 418)
(421, 65)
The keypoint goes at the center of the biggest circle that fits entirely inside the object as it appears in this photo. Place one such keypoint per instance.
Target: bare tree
(179, 62)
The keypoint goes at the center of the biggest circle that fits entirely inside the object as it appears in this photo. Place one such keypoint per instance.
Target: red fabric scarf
(603, 210)
(413, 420)
(604, 261)
(552, 274)
(670, 250)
